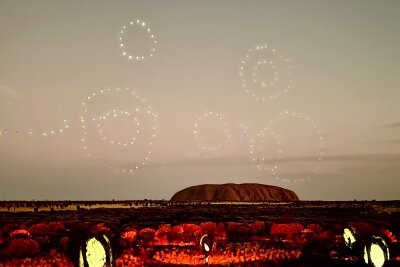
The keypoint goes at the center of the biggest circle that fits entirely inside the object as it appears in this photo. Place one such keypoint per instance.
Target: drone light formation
(45, 133)
(142, 107)
(226, 131)
(260, 160)
(320, 142)
(280, 72)
(253, 79)
(112, 115)
(131, 55)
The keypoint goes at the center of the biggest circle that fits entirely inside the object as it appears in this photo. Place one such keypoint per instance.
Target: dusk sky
(333, 65)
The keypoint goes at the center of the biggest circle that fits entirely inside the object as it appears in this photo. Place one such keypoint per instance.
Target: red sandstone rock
(235, 192)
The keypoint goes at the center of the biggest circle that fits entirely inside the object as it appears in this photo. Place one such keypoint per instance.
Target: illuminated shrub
(177, 229)
(175, 235)
(217, 230)
(220, 235)
(20, 247)
(147, 236)
(188, 234)
(127, 258)
(376, 252)
(318, 246)
(258, 227)
(6, 229)
(329, 236)
(286, 230)
(56, 227)
(100, 228)
(231, 254)
(129, 235)
(239, 232)
(208, 227)
(192, 232)
(314, 227)
(19, 233)
(39, 229)
(390, 236)
(192, 228)
(52, 260)
(161, 235)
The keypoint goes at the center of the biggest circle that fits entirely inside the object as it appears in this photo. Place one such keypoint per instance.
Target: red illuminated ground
(298, 234)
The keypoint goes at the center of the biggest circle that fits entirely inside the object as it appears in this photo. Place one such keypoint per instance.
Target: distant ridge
(249, 192)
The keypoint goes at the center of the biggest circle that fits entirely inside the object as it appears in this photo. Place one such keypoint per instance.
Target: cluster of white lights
(263, 83)
(348, 236)
(129, 54)
(32, 133)
(144, 108)
(95, 254)
(204, 117)
(260, 160)
(249, 67)
(318, 155)
(115, 114)
(376, 254)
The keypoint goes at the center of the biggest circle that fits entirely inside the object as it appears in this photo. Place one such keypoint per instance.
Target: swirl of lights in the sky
(115, 114)
(269, 84)
(317, 154)
(142, 107)
(46, 133)
(122, 41)
(259, 158)
(220, 118)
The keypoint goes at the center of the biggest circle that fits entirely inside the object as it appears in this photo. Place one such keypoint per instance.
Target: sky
(328, 71)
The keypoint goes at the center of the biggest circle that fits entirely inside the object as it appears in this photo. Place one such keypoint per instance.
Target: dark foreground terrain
(156, 233)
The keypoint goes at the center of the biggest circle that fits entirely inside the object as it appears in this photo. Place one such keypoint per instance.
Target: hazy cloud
(9, 92)
(382, 142)
(243, 160)
(394, 158)
(392, 125)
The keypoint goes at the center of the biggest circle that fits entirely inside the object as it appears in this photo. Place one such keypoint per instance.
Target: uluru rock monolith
(250, 192)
